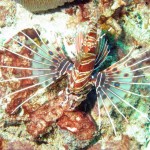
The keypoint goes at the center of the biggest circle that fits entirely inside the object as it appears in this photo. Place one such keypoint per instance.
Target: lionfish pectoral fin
(128, 77)
(101, 100)
(32, 59)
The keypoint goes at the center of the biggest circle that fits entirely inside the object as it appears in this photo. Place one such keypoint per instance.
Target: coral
(6, 145)
(18, 62)
(45, 115)
(97, 146)
(1, 143)
(123, 144)
(136, 25)
(108, 7)
(19, 145)
(51, 126)
(8, 11)
(83, 13)
(42, 5)
(107, 11)
(71, 142)
(110, 23)
(8, 58)
(78, 123)
(78, 14)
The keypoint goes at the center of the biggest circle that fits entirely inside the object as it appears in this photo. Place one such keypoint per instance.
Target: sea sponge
(42, 5)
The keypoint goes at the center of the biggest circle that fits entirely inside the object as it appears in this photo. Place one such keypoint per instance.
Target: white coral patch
(72, 129)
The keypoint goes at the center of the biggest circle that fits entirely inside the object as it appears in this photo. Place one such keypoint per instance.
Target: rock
(42, 5)
(7, 12)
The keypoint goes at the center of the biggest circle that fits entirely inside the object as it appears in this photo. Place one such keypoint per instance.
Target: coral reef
(1, 143)
(44, 116)
(18, 145)
(42, 5)
(78, 123)
(8, 11)
(14, 145)
(136, 24)
(43, 123)
(8, 58)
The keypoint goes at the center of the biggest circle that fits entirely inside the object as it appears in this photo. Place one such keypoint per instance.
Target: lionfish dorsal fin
(79, 42)
(102, 52)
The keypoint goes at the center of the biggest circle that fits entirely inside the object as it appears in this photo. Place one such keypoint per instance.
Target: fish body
(38, 66)
(89, 56)
(80, 76)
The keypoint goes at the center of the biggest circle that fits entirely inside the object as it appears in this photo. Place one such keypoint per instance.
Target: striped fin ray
(102, 52)
(79, 42)
(28, 63)
(124, 84)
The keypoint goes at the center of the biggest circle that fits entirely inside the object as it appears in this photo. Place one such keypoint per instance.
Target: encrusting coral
(8, 11)
(78, 123)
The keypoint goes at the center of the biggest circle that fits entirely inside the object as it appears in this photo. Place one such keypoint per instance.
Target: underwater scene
(74, 74)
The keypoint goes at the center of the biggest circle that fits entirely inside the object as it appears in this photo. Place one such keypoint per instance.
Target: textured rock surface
(80, 124)
(7, 12)
(130, 25)
(42, 5)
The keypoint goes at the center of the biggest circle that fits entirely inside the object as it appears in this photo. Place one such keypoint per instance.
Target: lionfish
(48, 64)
